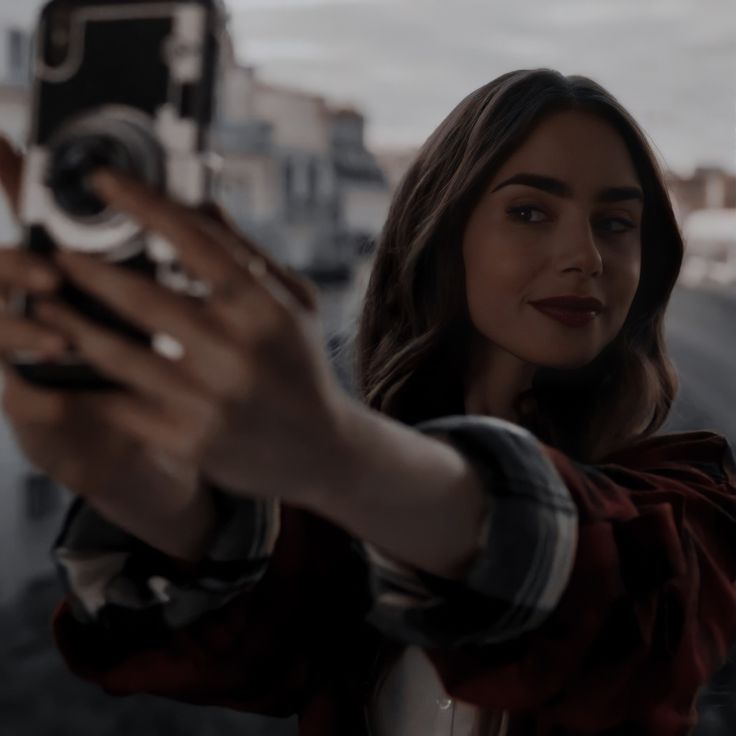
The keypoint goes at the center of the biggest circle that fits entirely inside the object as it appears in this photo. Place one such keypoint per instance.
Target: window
(313, 178)
(300, 181)
(288, 179)
(19, 56)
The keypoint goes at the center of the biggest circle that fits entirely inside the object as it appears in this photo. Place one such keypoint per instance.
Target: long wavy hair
(411, 346)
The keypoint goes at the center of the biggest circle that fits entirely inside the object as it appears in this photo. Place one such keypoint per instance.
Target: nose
(582, 253)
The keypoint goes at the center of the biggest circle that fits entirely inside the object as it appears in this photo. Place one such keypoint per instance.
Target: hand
(20, 271)
(69, 438)
(252, 400)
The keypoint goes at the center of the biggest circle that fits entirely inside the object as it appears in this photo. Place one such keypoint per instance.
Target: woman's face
(530, 241)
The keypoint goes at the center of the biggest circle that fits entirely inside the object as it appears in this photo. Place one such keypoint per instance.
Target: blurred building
(710, 247)
(709, 187)
(297, 176)
(363, 188)
(395, 162)
(705, 204)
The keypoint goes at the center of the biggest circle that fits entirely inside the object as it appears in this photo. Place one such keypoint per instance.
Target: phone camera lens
(109, 138)
(71, 164)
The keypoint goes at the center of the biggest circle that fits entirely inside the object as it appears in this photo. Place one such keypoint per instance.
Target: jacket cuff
(109, 574)
(525, 557)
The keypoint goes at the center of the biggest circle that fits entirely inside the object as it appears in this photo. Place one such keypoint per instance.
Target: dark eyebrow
(562, 189)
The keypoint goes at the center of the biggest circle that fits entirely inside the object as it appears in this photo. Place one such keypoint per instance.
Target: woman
(493, 541)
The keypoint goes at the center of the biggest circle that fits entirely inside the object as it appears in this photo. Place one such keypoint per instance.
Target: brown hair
(410, 353)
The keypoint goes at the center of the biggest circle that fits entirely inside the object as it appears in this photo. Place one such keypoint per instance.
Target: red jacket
(648, 616)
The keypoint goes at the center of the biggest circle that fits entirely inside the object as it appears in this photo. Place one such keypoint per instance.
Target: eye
(516, 213)
(626, 224)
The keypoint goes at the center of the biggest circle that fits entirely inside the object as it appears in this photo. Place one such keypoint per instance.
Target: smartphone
(128, 85)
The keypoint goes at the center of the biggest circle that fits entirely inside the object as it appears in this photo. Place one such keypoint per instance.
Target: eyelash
(522, 208)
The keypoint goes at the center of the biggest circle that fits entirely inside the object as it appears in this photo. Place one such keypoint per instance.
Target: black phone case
(137, 64)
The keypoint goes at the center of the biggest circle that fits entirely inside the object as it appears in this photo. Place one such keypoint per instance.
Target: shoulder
(701, 450)
(692, 472)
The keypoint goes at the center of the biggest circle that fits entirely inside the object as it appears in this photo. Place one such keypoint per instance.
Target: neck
(494, 380)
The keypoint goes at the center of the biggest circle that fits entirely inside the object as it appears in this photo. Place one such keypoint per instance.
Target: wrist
(413, 496)
(164, 506)
(193, 528)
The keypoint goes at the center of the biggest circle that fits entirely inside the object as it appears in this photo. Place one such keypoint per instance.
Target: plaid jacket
(604, 598)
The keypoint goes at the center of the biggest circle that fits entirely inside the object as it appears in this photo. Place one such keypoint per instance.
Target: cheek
(626, 281)
(498, 275)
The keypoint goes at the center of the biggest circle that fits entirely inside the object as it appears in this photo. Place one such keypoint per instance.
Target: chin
(571, 362)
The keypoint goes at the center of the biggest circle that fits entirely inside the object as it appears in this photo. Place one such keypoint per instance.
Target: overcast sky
(672, 63)
(406, 63)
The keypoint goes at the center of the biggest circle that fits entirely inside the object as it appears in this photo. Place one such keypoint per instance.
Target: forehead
(579, 147)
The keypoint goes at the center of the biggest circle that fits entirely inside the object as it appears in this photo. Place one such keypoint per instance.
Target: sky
(407, 63)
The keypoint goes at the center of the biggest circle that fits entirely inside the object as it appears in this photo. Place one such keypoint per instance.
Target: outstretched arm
(470, 500)
(603, 595)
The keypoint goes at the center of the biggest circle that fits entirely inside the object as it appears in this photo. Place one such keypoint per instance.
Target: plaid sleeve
(110, 575)
(525, 557)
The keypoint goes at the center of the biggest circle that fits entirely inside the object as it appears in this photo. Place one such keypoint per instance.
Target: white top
(411, 701)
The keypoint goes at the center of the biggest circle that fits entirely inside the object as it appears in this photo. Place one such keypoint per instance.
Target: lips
(570, 310)
(569, 317)
(571, 304)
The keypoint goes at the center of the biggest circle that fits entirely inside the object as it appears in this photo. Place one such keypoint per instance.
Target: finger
(132, 365)
(250, 303)
(174, 434)
(25, 403)
(307, 292)
(140, 300)
(213, 369)
(179, 225)
(301, 288)
(22, 270)
(11, 171)
(156, 309)
(279, 281)
(17, 334)
(208, 248)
